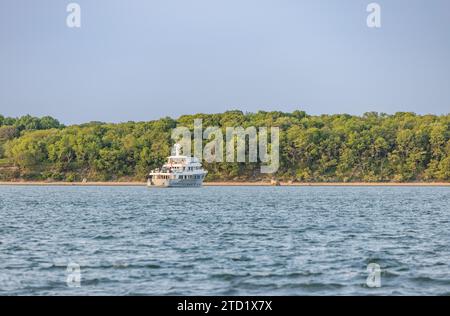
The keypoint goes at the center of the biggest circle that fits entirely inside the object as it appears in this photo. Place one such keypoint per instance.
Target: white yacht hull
(179, 183)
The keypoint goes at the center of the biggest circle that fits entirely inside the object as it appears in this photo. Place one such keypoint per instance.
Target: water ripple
(224, 240)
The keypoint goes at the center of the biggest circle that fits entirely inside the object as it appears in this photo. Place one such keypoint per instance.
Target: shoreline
(237, 184)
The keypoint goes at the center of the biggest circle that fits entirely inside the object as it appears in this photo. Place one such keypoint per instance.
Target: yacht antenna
(177, 149)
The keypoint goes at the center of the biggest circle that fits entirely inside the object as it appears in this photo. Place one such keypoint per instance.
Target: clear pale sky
(142, 60)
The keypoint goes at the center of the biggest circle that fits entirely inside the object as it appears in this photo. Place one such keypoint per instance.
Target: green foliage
(8, 133)
(30, 123)
(373, 147)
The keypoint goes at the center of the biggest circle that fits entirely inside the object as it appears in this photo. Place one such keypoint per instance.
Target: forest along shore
(303, 184)
(372, 148)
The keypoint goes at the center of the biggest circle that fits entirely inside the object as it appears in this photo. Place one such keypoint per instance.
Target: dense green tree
(372, 147)
(8, 133)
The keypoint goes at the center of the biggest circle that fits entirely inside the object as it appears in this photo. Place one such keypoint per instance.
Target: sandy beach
(324, 184)
(232, 183)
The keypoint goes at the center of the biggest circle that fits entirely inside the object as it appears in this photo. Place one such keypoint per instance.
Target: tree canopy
(373, 147)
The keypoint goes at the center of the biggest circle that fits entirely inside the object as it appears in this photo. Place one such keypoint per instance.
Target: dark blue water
(224, 240)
